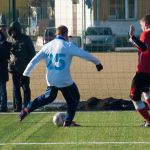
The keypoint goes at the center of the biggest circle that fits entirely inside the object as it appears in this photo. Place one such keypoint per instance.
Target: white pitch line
(14, 113)
(77, 143)
(48, 112)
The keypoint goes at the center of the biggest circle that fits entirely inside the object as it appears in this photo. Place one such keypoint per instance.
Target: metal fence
(119, 66)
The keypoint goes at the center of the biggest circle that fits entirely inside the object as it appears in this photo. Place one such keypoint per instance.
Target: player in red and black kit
(141, 81)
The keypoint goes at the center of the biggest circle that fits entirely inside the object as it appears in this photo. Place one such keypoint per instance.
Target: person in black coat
(21, 53)
(4, 58)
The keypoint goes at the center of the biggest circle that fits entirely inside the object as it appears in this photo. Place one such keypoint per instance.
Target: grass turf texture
(99, 130)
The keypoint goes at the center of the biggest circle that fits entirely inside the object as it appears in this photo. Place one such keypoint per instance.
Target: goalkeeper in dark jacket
(22, 52)
(141, 81)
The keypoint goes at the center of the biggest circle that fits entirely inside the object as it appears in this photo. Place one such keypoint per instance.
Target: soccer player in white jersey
(58, 55)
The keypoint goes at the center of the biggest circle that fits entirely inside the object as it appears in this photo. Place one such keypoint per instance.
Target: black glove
(24, 80)
(99, 67)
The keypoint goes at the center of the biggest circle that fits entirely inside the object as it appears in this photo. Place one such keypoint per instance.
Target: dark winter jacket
(22, 49)
(4, 57)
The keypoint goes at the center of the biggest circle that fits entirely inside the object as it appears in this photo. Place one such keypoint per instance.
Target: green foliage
(99, 130)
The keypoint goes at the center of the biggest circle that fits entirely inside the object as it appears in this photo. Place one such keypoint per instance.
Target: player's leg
(135, 95)
(146, 93)
(72, 97)
(46, 98)
(146, 96)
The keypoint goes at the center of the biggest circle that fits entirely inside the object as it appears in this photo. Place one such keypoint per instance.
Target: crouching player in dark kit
(58, 56)
(141, 81)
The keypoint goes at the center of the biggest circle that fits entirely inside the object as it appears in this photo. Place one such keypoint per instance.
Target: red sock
(148, 102)
(144, 113)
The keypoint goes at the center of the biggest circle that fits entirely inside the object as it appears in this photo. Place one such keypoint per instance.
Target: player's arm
(35, 60)
(135, 41)
(76, 51)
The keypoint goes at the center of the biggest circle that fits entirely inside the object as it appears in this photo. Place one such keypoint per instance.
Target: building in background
(36, 15)
(74, 14)
(117, 14)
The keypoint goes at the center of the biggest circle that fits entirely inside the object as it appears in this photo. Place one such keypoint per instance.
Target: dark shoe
(73, 124)
(17, 110)
(3, 110)
(145, 125)
(22, 115)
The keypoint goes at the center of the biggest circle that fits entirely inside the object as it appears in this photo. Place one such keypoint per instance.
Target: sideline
(77, 143)
(47, 112)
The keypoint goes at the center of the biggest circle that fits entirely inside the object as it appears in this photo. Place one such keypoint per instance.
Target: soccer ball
(58, 118)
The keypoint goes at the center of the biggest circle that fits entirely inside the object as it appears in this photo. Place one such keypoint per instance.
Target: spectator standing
(3, 25)
(4, 58)
(22, 52)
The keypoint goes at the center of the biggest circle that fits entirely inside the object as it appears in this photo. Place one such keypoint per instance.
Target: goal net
(119, 60)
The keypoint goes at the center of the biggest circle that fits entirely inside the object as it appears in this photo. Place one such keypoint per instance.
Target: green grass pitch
(99, 131)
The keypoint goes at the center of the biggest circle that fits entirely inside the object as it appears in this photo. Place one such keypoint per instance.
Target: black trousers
(17, 97)
(3, 95)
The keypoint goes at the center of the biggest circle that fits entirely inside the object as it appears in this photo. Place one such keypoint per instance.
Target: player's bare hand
(99, 67)
(131, 30)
